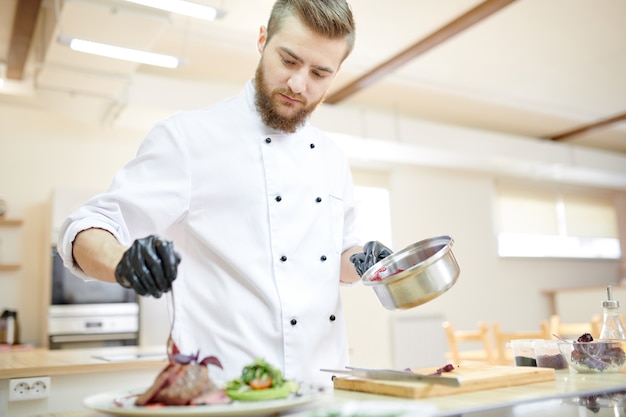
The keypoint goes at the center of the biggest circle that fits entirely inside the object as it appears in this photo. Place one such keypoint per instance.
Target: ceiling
(550, 69)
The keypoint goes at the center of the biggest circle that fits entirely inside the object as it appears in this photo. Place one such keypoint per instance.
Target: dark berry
(448, 368)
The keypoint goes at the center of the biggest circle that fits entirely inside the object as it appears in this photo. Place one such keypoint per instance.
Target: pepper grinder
(612, 325)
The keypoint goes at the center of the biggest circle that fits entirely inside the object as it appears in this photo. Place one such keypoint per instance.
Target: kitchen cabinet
(5, 264)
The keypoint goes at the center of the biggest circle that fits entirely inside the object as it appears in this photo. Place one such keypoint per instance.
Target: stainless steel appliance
(89, 313)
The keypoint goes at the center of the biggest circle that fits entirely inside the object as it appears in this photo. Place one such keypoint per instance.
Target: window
(373, 216)
(371, 194)
(559, 224)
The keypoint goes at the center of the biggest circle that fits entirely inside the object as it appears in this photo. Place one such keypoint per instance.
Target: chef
(242, 212)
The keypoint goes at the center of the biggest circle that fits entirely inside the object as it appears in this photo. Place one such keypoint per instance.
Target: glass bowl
(594, 357)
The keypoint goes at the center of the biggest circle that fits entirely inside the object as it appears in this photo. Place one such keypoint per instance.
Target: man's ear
(260, 43)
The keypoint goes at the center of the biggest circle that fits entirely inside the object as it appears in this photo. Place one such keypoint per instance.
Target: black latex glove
(149, 266)
(372, 252)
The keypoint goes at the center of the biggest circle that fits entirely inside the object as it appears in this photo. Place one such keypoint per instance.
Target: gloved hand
(149, 266)
(372, 252)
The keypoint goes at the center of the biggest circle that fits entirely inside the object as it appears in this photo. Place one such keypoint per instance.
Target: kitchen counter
(560, 397)
(81, 373)
(36, 362)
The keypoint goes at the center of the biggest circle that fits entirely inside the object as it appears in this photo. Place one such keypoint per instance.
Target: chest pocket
(336, 218)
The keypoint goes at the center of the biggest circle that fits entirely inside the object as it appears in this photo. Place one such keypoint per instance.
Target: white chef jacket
(260, 218)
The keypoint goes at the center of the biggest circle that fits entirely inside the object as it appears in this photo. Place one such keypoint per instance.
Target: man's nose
(297, 82)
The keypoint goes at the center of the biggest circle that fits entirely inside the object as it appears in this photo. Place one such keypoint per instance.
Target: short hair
(330, 18)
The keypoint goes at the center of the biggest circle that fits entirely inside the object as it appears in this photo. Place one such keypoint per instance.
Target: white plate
(122, 403)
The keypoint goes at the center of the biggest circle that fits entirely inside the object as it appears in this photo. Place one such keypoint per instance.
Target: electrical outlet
(24, 389)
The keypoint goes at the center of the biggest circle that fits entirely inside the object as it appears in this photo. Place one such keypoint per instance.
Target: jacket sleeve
(147, 196)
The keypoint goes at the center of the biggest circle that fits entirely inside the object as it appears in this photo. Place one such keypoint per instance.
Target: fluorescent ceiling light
(186, 8)
(118, 52)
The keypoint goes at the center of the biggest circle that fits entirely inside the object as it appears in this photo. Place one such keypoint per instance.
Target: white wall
(38, 153)
(41, 151)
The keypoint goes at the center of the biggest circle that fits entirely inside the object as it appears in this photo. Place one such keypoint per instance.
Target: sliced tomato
(260, 383)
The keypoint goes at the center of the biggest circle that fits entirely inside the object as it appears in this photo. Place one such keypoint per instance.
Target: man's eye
(319, 75)
(287, 61)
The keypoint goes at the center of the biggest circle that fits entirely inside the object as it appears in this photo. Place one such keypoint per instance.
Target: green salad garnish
(260, 381)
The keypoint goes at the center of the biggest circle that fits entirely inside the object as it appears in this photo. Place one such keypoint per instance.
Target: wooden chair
(574, 330)
(480, 336)
(501, 339)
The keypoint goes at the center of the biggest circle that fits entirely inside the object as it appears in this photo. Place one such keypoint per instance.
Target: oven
(89, 313)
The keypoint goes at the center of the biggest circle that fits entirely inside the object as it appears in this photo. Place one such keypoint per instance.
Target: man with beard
(256, 201)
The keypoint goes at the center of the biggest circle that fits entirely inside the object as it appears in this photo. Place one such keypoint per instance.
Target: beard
(267, 106)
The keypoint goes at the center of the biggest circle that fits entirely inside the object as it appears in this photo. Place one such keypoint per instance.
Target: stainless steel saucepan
(414, 275)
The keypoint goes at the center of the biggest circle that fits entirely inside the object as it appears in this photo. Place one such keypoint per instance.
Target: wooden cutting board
(472, 377)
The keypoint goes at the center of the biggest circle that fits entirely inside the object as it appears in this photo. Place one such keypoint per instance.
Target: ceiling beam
(470, 18)
(24, 22)
(587, 128)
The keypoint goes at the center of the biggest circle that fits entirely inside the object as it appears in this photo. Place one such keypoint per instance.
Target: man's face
(294, 73)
